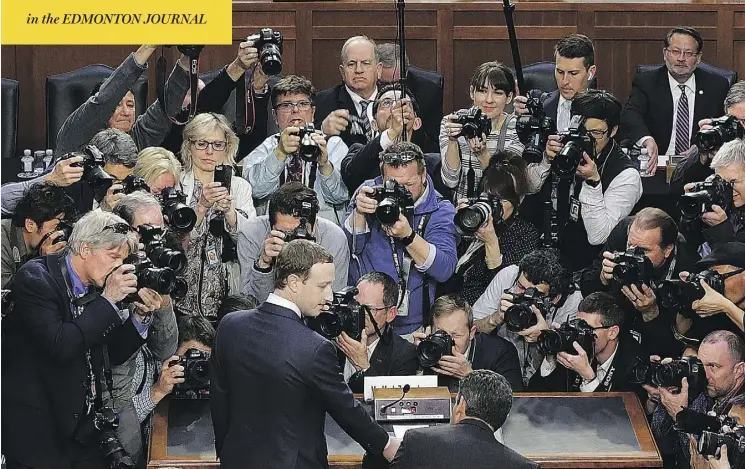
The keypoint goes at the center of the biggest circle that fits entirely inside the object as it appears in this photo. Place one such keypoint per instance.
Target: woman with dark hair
(499, 241)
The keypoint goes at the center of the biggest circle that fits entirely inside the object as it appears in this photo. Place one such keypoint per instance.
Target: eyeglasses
(596, 133)
(400, 158)
(375, 309)
(288, 106)
(217, 145)
(119, 228)
(677, 53)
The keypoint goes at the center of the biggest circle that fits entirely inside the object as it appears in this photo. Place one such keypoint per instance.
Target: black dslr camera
(691, 421)
(671, 374)
(470, 219)
(576, 141)
(393, 200)
(93, 174)
(345, 314)
(106, 421)
(432, 348)
(309, 149)
(679, 295)
(724, 129)
(155, 248)
(306, 210)
(269, 44)
(534, 128)
(553, 341)
(632, 268)
(713, 191)
(177, 214)
(160, 279)
(474, 122)
(66, 228)
(196, 383)
(300, 232)
(133, 183)
(710, 443)
(520, 316)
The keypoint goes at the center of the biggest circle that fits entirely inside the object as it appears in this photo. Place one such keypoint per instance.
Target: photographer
(379, 352)
(159, 168)
(543, 272)
(33, 229)
(120, 157)
(656, 234)
(466, 350)
(53, 349)
(418, 248)
(464, 156)
(604, 368)
(503, 238)
(722, 461)
(263, 239)
(278, 159)
(604, 188)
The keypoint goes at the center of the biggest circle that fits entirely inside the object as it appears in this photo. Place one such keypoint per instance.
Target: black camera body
(520, 315)
(553, 341)
(300, 232)
(197, 368)
(713, 191)
(671, 374)
(156, 250)
(710, 443)
(724, 129)
(159, 279)
(309, 149)
(691, 421)
(65, 227)
(93, 174)
(132, 184)
(269, 44)
(432, 348)
(534, 128)
(576, 141)
(632, 268)
(179, 216)
(469, 219)
(679, 295)
(475, 123)
(393, 200)
(345, 314)
(106, 422)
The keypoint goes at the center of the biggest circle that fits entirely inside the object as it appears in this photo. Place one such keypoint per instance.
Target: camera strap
(106, 374)
(245, 104)
(403, 269)
(160, 85)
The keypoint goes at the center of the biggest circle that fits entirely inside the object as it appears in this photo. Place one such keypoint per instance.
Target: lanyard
(403, 273)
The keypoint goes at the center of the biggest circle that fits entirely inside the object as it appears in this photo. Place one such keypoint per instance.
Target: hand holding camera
(248, 55)
(532, 333)
(606, 272)
(53, 243)
(151, 302)
(171, 374)
(289, 142)
(672, 402)
(588, 169)
(66, 172)
(455, 365)
(400, 229)
(643, 299)
(452, 127)
(577, 362)
(120, 283)
(113, 195)
(712, 302)
(273, 244)
(336, 122)
(520, 103)
(710, 200)
(553, 147)
(355, 350)
(365, 204)
(419, 336)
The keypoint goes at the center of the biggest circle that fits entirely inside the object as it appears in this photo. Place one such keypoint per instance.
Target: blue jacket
(373, 253)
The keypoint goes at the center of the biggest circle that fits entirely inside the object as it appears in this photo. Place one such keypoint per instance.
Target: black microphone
(405, 389)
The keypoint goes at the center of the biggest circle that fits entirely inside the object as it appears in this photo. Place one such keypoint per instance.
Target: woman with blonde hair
(159, 168)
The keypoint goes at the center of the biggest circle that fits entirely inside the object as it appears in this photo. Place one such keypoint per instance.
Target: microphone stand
(509, 9)
(400, 6)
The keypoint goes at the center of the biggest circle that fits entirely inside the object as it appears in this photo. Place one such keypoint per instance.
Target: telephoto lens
(432, 348)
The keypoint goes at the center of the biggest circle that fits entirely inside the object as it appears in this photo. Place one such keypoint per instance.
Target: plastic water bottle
(28, 162)
(48, 156)
(38, 162)
(644, 163)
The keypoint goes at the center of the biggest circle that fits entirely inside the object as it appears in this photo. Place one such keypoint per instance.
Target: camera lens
(693, 204)
(388, 211)
(180, 289)
(519, 317)
(668, 375)
(568, 159)
(431, 349)
(550, 342)
(164, 257)
(99, 180)
(198, 371)
(271, 59)
(709, 139)
(328, 325)
(180, 216)
(160, 280)
(470, 219)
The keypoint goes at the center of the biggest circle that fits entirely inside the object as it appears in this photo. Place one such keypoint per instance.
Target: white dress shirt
(563, 114)
(357, 100)
(349, 369)
(690, 87)
(284, 302)
(549, 364)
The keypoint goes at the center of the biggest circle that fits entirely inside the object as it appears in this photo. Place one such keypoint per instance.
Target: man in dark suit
(484, 401)
(471, 350)
(666, 103)
(52, 354)
(273, 379)
(379, 352)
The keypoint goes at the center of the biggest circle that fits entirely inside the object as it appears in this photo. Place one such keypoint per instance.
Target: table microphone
(405, 389)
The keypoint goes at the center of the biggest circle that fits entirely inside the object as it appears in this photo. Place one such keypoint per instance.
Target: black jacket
(393, 356)
(469, 443)
(44, 373)
(330, 100)
(272, 382)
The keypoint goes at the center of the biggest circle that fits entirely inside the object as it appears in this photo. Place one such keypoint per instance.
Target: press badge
(210, 254)
(574, 208)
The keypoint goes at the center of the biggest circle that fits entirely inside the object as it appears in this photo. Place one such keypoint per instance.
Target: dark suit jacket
(551, 105)
(332, 99)
(427, 87)
(394, 356)
(273, 380)
(649, 110)
(469, 443)
(44, 363)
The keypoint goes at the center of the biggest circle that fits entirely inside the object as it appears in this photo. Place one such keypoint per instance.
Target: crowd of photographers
(515, 245)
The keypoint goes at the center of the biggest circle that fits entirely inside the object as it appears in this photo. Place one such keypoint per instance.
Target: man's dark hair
(390, 288)
(651, 218)
(498, 75)
(240, 302)
(545, 266)
(293, 84)
(41, 203)
(506, 177)
(196, 328)
(598, 104)
(297, 258)
(404, 147)
(605, 305)
(446, 305)
(488, 396)
(734, 343)
(577, 46)
(288, 198)
(117, 147)
(395, 87)
(688, 32)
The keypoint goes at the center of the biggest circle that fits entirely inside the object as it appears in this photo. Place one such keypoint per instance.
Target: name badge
(574, 206)
(210, 254)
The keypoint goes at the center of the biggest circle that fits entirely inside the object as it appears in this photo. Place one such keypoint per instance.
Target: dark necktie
(682, 135)
(295, 168)
(366, 120)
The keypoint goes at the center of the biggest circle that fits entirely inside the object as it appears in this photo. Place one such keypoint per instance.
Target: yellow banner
(94, 22)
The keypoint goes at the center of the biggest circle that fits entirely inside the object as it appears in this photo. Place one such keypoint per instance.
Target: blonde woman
(159, 168)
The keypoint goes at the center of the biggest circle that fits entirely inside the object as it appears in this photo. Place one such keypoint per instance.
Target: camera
(553, 341)
(713, 191)
(691, 421)
(724, 129)
(710, 443)
(309, 150)
(66, 228)
(152, 237)
(196, 383)
(474, 122)
(520, 316)
(106, 421)
(345, 314)
(393, 200)
(269, 44)
(133, 183)
(300, 232)
(93, 174)
(632, 268)
(432, 348)
(534, 128)
(306, 210)
(576, 141)
(160, 279)
(670, 374)
(177, 214)
(679, 295)
(470, 219)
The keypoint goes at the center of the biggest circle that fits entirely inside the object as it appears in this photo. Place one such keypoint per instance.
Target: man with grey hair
(483, 403)
(65, 324)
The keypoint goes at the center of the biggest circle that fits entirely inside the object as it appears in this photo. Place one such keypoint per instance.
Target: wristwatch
(261, 269)
(409, 239)
(592, 183)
